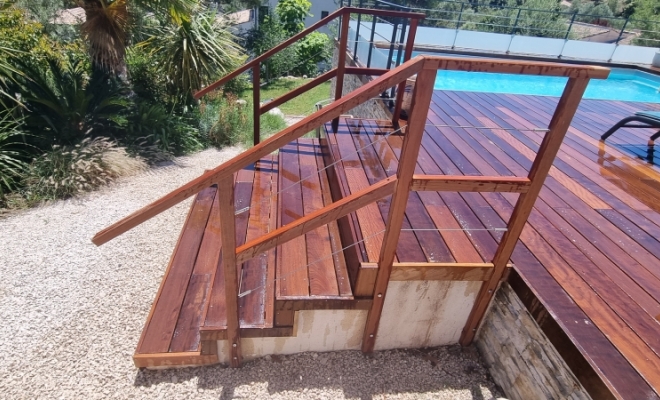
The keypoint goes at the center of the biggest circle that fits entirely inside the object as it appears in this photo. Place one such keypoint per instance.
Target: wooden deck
(590, 250)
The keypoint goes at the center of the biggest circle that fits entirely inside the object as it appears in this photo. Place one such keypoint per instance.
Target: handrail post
(407, 161)
(410, 44)
(561, 120)
(371, 40)
(357, 32)
(228, 238)
(341, 62)
(256, 102)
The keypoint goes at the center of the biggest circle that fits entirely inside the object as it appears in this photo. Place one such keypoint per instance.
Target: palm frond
(105, 30)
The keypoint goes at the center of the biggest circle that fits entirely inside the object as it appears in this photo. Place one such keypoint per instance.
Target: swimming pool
(622, 84)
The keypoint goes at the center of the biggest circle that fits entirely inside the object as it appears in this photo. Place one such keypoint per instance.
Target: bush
(228, 121)
(314, 49)
(269, 34)
(12, 165)
(68, 170)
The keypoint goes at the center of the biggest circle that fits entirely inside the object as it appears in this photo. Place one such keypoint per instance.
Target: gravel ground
(72, 314)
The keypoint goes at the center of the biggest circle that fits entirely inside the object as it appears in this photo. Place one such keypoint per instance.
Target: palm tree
(108, 23)
(194, 53)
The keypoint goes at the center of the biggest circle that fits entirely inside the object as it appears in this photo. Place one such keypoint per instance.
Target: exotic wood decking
(590, 250)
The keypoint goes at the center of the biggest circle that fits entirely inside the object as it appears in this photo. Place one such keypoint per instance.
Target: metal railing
(530, 22)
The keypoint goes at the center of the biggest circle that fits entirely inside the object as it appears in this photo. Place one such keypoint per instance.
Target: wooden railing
(399, 185)
(338, 72)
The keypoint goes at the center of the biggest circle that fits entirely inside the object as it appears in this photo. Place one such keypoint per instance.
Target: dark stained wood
(228, 237)
(161, 323)
(292, 274)
(298, 91)
(589, 251)
(437, 183)
(321, 265)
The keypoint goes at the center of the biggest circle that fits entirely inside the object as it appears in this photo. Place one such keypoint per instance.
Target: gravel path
(72, 314)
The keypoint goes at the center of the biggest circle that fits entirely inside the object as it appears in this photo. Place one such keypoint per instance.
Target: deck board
(590, 250)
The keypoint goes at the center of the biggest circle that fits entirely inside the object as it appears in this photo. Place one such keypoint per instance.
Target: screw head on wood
(371, 335)
(380, 295)
(234, 345)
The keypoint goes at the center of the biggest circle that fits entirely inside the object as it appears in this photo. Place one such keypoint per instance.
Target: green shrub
(292, 13)
(153, 132)
(227, 121)
(65, 171)
(314, 49)
(12, 165)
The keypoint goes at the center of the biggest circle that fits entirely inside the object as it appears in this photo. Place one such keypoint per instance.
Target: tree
(194, 52)
(646, 17)
(292, 14)
(108, 22)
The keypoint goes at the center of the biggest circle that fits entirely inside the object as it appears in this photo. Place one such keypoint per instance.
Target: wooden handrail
(315, 120)
(298, 91)
(334, 110)
(316, 219)
(300, 35)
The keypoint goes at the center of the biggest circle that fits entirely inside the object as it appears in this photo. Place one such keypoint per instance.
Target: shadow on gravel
(450, 371)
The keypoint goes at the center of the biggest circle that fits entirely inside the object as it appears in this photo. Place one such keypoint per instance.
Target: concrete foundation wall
(520, 357)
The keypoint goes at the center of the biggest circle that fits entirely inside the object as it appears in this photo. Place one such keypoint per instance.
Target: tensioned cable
(489, 127)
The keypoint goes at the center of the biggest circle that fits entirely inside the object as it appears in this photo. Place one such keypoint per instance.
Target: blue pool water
(622, 84)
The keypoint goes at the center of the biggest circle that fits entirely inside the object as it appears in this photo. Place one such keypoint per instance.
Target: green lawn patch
(301, 105)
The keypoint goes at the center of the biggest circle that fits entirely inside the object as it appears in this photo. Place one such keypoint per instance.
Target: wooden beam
(228, 168)
(316, 219)
(441, 271)
(516, 67)
(298, 91)
(341, 62)
(256, 104)
(228, 235)
(190, 358)
(561, 120)
(437, 183)
(269, 53)
(402, 86)
(409, 152)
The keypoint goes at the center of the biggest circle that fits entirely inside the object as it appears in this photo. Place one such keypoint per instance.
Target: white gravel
(72, 314)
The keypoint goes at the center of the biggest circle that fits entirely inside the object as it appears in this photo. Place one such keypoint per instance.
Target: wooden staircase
(189, 315)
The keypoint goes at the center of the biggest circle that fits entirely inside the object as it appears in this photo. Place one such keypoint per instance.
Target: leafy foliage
(312, 50)
(194, 53)
(292, 14)
(65, 105)
(11, 157)
(269, 34)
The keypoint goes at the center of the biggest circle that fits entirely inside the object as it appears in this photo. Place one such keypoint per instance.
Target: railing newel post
(341, 62)
(225, 193)
(256, 106)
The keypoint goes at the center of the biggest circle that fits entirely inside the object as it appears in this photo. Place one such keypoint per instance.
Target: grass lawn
(301, 105)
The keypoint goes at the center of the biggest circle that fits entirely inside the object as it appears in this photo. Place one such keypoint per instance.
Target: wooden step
(311, 266)
(191, 295)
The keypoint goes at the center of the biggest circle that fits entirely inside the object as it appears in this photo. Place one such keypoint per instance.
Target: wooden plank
(412, 141)
(441, 271)
(445, 183)
(517, 67)
(316, 219)
(157, 334)
(186, 333)
(339, 261)
(173, 360)
(228, 235)
(365, 71)
(321, 265)
(292, 274)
